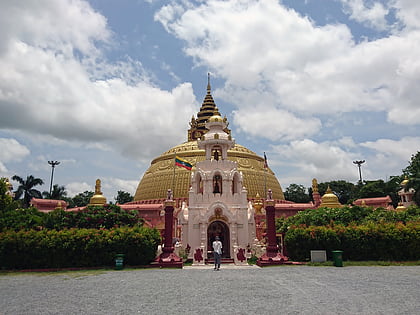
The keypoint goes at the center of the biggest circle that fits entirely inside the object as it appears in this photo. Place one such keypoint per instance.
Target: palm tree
(58, 192)
(26, 188)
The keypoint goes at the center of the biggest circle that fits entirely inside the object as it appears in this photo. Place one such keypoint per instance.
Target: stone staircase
(210, 261)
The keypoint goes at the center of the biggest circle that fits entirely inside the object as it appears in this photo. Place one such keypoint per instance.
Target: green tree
(296, 193)
(26, 189)
(412, 171)
(58, 192)
(123, 197)
(6, 201)
(80, 200)
(345, 191)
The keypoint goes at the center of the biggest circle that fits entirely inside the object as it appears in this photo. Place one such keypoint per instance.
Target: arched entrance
(219, 228)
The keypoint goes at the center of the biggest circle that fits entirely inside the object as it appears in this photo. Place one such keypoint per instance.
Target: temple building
(216, 197)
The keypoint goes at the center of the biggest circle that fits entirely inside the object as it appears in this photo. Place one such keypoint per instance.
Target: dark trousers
(217, 260)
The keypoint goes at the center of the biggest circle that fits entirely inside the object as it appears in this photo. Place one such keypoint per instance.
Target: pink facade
(47, 205)
(379, 202)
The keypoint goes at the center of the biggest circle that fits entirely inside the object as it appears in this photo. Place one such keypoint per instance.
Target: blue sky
(106, 86)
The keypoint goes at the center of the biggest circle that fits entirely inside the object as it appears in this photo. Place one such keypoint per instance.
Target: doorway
(220, 229)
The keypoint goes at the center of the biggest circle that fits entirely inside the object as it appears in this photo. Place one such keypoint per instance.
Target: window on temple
(217, 184)
(235, 188)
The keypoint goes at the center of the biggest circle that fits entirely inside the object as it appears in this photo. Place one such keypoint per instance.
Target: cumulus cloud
(275, 124)
(11, 150)
(112, 185)
(54, 81)
(401, 149)
(273, 56)
(302, 160)
(325, 161)
(368, 13)
(75, 188)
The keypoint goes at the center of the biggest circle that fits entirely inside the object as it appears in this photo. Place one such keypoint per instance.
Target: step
(223, 261)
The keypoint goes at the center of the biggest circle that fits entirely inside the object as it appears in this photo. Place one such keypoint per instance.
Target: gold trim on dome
(158, 178)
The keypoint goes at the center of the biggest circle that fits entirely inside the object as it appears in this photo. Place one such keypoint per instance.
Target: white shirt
(217, 247)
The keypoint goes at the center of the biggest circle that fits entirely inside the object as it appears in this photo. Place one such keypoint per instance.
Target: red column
(272, 255)
(272, 248)
(168, 259)
(169, 223)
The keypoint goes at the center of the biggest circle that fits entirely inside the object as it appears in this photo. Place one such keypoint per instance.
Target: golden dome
(158, 178)
(400, 207)
(405, 181)
(98, 198)
(215, 118)
(330, 200)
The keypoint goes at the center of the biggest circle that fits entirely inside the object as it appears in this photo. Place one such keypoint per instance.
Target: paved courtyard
(200, 290)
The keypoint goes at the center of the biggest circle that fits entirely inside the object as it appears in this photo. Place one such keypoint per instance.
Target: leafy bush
(371, 241)
(18, 219)
(347, 216)
(92, 217)
(362, 233)
(77, 247)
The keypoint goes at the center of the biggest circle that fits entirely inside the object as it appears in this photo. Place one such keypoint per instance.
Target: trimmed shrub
(77, 247)
(92, 217)
(371, 241)
(18, 219)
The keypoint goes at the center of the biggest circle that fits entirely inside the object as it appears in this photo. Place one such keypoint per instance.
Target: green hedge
(371, 241)
(92, 217)
(354, 215)
(77, 247)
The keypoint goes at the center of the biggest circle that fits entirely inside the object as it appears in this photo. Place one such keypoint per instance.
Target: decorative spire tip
(208, 82)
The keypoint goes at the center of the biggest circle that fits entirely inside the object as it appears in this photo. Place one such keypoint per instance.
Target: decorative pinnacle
(208, 83)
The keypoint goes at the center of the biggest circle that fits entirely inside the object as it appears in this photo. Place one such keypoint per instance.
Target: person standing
(217, 250)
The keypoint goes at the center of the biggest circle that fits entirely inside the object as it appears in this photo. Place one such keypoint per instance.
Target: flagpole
(173, 177)
(265, 175)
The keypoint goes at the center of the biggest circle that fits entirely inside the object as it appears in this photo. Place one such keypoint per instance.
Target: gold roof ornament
(258, 204)
(59, 205)
(314, 185)
(405, 181)
(330, 200)
(98, 198)
(400, 207)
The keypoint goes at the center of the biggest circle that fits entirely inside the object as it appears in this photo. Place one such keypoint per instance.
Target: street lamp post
(53, 165)
(359, 165)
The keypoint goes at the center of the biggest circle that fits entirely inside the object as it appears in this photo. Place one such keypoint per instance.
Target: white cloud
(333, 160)
(273, 56)
(275, 124)
(408, 13)
(398, 150)
(53, 72)
(111, 186)
(368, 13)
(75, 188)
(325, 161)
(12, 150)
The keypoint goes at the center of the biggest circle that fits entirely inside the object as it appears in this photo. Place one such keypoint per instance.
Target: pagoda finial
(208, 83)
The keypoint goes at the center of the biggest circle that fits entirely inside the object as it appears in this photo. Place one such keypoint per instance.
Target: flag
(182, 163)
(265, 161)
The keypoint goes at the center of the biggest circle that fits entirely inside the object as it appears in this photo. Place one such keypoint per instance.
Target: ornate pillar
(272, 255)
(168, 258)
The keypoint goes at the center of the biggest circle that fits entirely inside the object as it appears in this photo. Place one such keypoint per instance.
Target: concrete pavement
(200, 290)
